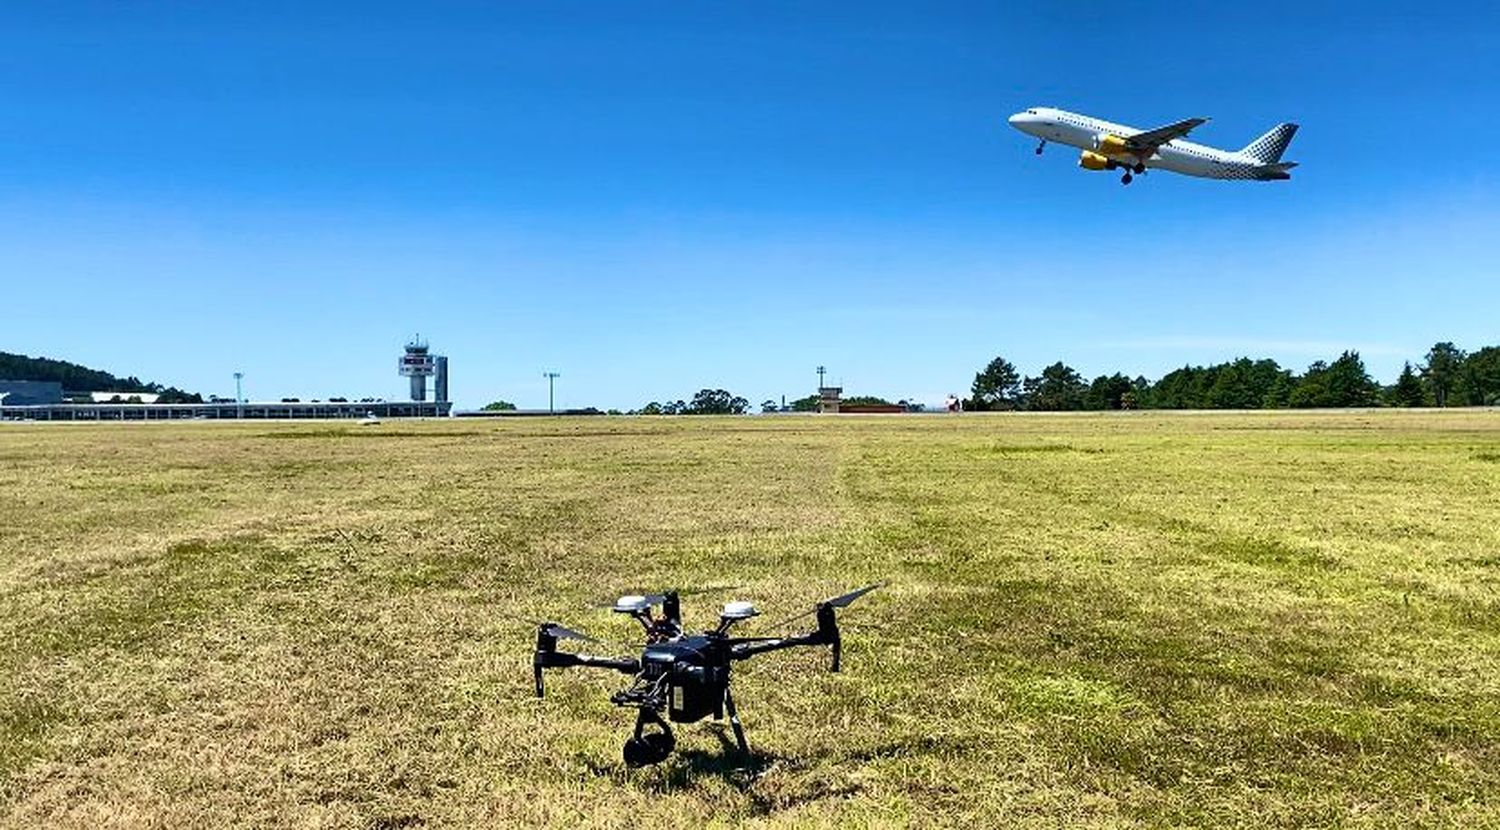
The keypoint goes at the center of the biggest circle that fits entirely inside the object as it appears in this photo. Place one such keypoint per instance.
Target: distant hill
(75, 378)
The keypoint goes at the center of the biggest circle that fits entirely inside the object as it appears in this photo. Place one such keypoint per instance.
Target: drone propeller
(840, 601)
(843, 600)
(552, 629)
(565, 633)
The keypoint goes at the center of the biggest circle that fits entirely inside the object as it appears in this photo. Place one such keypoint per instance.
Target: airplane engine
(1110, 145)
(1093, 161)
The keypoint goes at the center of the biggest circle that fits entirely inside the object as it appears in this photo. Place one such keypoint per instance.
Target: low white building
(122, 397)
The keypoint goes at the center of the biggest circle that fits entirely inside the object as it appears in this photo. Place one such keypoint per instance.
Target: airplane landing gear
(1127, 178)
(1040, 146)
(1140, 168)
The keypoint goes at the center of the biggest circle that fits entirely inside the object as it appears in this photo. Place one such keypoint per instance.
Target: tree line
(1448, 376)
(721, 402)
(810, 404)
(706, 402)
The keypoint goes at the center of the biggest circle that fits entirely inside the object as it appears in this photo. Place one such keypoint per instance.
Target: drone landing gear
(645, 748)
(734, 722)
(1040, 146)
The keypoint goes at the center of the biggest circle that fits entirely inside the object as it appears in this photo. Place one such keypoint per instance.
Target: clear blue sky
(652, 198)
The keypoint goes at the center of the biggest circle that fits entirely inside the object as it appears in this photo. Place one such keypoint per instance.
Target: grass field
(1138, 620)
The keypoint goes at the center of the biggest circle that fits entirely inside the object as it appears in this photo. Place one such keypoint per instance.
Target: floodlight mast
(239, 398)
(551, 377)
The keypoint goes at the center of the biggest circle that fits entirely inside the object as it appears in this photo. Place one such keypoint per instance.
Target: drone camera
(649, 747)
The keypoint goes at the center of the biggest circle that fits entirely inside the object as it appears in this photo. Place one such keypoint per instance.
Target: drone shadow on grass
(685, 767)
(686, 770)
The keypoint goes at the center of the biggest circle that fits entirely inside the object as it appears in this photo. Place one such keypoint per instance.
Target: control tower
(419, 364)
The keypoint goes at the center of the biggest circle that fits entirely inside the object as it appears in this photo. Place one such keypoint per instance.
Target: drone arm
(548, 659)
(746, 650)
(826, 634)
(564, 660)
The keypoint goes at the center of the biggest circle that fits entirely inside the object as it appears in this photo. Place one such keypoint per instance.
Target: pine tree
(1408, 390)
(1444, 361)
(997, 387)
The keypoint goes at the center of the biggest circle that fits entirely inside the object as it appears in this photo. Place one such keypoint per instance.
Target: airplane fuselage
(1178, 155)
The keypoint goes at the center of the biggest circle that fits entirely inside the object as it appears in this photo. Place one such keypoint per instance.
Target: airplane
(1110, 146)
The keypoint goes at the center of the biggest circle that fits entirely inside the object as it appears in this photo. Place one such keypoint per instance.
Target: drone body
(685, 675)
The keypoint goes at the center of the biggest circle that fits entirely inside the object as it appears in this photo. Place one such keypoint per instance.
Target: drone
(683, 674)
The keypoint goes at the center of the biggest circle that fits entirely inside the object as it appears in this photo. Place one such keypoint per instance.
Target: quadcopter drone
(684, 674)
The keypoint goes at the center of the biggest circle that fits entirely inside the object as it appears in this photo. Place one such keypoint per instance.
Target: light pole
(821, 372)
(550, 376)
(239, 398)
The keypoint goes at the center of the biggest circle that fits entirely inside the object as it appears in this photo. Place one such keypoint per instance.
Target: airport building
(220, 410)
(29, 393)
(34, 401)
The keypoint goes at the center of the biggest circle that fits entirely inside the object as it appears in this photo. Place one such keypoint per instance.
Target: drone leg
(734, 721)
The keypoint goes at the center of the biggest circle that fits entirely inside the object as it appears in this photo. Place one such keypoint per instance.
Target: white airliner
(1109, 146)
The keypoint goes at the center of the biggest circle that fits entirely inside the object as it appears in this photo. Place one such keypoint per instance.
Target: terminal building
(259, 410)
(35, 401)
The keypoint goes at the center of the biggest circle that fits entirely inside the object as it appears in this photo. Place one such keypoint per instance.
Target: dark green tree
(807, 404)
(1030, 386)
(1269, 384)
(499, 406)
(997, 386)
(716, 402)
(768, 405)
(1441, 371)
(1108, 392)
(172, 394)
(1350, 384)
(1341, 383)
(1408, 389)
(1060, 388)
(1312, 388)
(1481, 377)
(1180, 389)
(1233, 386)
(1278, 394)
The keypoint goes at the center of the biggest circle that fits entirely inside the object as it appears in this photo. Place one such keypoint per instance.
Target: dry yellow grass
(1143, 619)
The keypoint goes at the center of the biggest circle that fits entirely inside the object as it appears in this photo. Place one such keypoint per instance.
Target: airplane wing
(1149, 140)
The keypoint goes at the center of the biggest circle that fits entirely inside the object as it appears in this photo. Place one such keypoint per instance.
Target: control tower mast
(418, 364)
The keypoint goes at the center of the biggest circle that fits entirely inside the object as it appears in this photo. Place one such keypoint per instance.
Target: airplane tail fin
(1268, 148)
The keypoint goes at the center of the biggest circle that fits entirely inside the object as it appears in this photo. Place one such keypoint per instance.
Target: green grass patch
(1138, 620)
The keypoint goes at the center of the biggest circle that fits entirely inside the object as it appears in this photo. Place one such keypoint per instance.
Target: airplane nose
(1015, 120)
